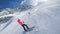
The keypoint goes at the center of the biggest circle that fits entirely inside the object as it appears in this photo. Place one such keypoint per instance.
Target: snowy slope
(45, 17)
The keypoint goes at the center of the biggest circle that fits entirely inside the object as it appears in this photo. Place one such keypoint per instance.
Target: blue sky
(9, 3)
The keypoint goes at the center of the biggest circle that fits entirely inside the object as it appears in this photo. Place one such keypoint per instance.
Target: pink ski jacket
(20, 22)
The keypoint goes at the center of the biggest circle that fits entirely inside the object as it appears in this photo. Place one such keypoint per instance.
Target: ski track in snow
(45, 17)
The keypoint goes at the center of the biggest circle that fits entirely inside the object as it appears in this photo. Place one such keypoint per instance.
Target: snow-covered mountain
(4, 19)
(19, 9)
(45, 16)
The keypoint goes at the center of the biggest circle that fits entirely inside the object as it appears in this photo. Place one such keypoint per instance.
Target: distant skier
(29, 13)
(22, 24)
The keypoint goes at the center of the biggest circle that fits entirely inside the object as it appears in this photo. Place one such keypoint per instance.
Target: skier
(22, 24)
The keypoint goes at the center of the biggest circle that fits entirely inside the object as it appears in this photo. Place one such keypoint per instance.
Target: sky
(9, 3)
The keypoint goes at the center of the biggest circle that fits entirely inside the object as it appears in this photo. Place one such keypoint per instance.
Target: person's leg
(24, 27)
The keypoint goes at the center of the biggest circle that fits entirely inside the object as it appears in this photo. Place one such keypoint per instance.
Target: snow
(45, 17)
